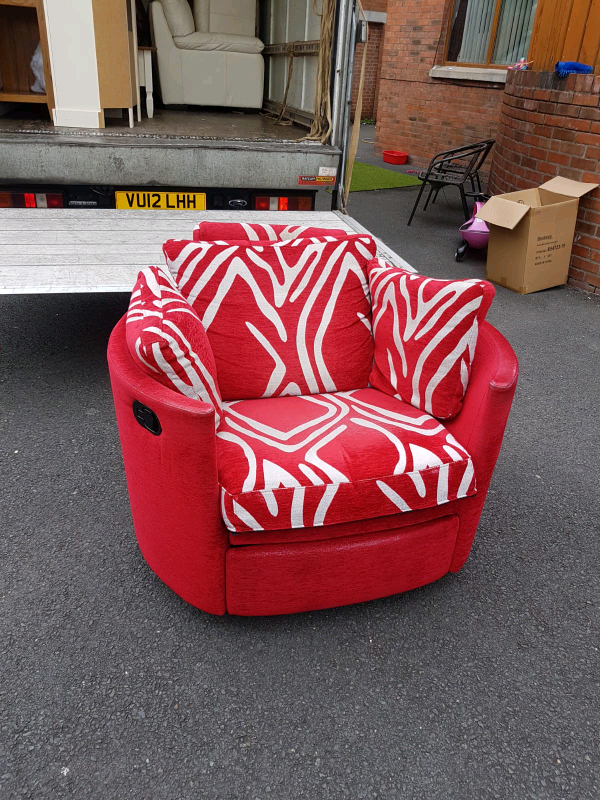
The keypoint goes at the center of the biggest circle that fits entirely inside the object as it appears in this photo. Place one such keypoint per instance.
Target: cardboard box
(531, 234)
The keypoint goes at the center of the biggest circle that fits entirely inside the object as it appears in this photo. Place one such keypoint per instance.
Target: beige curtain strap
(321, 126)
(290, 52)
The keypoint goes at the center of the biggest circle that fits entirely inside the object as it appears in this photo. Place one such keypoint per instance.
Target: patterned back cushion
(425, 336)
(286, 318)
(165, 336)
(257, 232)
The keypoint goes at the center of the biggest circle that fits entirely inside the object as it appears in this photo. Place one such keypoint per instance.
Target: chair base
(266, 580)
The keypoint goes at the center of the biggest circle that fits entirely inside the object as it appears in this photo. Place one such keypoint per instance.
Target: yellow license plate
(176, 201)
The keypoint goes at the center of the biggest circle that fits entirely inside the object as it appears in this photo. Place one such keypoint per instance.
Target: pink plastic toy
(475, 232)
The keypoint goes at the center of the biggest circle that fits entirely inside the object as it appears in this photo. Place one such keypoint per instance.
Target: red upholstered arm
(172, 482)
(481, 422)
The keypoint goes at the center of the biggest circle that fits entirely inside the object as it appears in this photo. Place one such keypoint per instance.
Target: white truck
(79, 208)
(222, 158)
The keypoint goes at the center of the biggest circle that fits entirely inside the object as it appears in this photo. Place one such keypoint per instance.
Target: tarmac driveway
(483, 685)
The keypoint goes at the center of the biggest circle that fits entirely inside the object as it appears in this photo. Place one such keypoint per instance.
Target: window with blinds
(489, 32)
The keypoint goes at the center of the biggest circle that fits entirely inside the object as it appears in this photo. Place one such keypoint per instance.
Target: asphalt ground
(482, 685)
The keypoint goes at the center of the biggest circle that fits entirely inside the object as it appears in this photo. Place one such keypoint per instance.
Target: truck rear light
(298, 204)
(31, 200)
(55, 200)
(277, 203)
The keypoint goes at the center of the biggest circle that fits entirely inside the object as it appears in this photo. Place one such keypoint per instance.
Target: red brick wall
(372, 70)
(551, 127)
(373, 65)
(419, 114)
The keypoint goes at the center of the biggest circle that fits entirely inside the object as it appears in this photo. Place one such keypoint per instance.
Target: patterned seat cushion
(255, 232)
(166, 338)
(292, 462)
(425, 336)
(287, 318)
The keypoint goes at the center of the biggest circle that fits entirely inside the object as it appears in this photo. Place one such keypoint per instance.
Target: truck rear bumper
(141, 160)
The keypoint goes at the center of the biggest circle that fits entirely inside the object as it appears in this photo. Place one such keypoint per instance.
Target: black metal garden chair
(454, 168)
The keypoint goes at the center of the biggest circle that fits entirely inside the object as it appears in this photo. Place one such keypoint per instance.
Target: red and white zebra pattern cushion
(425, 336)
(165, 336)
(258, 232)
(287, 318)
(292, 462)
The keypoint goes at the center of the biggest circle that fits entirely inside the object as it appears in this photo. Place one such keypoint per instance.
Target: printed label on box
(546, 248)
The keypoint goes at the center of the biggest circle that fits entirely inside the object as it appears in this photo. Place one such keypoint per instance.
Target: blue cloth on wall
(565, 68)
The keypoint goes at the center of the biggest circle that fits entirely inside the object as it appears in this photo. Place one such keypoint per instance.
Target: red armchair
(175, 463)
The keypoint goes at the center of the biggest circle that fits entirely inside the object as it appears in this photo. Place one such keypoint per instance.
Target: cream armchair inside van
(210, 57)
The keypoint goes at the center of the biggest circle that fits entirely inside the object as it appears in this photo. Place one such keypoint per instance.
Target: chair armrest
(168, 56)
(172, 481)
(444, 163)
(482, 419)
(480, 425)
(219, 42)
(162, 38)
(445, 160)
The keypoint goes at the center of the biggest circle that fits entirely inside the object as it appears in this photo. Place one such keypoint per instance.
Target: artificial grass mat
(365, 178)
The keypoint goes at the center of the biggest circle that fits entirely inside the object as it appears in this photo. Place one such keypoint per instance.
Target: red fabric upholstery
(291, 462)
(374, 525)
(290, 318)
(481, 423)
(284, 579)
(425, 336)
(172, 481)
(254, 232)
(166, 336)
